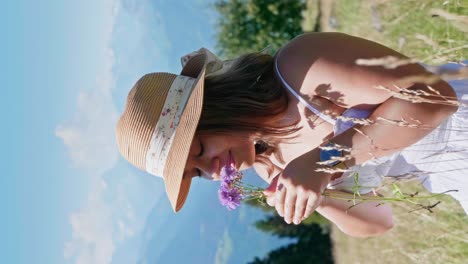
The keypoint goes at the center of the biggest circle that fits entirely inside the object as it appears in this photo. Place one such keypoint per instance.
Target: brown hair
(247, 98)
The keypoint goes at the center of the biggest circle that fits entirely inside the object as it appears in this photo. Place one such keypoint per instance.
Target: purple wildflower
(228, 173)
(230, 194)
(229, 176)
(226, 184)
(230, 198)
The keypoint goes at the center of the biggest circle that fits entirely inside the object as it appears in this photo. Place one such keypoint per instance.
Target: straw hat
(158, 124)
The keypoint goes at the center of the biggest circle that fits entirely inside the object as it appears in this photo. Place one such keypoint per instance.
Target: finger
(289, 206)
(311, 206)
(271, 200)
(299, 212)
(270, 190)
(279, 199)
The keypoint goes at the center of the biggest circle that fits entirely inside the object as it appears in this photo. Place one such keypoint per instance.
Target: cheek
(247, 149)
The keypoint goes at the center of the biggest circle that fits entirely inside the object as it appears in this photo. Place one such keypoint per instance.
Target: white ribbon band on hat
(165, 129)
(176, 99)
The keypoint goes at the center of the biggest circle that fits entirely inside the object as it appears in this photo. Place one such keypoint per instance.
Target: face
(209, 153)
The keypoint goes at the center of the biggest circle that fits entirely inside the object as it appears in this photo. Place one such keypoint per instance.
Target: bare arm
(383, 138)
(325, 64)
(329, 60)
(363, 220)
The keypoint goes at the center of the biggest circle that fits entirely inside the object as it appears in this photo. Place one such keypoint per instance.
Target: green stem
(345, 196)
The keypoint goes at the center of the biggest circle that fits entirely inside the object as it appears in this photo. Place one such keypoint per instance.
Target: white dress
(439, 160)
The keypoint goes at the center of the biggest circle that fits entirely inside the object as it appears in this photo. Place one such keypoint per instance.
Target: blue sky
(69, 197)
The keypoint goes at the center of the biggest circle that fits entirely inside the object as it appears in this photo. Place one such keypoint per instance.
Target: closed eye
(202, 149)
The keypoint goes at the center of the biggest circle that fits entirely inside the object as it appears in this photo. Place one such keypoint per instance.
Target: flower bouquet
(232, 191)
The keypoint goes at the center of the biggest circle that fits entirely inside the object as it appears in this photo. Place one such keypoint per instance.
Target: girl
(278, 113)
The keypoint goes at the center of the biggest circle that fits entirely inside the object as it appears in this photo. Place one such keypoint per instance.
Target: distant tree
(312, 246)
(298, 253)
(275, 224)
(261, 204)
(314, 218)
(253, 25)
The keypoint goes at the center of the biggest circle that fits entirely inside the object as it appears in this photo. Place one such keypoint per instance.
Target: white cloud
(149, 46)
(90, 144)
(112, 212)
(92, 235)
(224, 250)
(89, 137)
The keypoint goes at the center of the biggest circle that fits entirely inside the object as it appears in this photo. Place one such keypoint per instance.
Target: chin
(247, 164)
(246, 159)
(244, 166)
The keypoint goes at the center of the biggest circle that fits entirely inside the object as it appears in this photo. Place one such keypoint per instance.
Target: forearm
(383, 137)
(363, 220)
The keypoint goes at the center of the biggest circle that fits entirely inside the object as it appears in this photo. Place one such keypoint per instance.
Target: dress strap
(304, 102)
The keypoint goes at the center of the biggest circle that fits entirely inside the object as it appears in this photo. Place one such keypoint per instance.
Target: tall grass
(431, 31)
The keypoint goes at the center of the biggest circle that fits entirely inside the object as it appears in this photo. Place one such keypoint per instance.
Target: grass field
(434, 32)
(418, 237)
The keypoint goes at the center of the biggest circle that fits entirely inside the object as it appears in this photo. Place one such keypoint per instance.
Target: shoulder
(331, 47)
(324, 64)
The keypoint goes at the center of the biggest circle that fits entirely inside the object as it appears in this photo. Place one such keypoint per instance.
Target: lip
(232, 161)
(216, 169)
(228, 160)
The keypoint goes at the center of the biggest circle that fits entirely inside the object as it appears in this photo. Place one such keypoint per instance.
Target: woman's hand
(297, 191)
